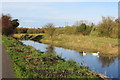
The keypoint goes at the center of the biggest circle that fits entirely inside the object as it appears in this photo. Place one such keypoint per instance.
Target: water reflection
(50, 49)
(106, 61)
(83, 53)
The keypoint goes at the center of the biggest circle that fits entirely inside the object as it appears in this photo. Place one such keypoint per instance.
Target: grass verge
(31, 63)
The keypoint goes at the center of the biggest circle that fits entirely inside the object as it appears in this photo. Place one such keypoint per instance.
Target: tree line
(28, 30)
(108, 27)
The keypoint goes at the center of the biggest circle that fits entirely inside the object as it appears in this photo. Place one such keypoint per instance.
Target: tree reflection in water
(50, 49)
(106, 60)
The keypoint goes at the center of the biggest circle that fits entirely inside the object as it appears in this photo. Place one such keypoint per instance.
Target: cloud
(32, 9)
(43, 12)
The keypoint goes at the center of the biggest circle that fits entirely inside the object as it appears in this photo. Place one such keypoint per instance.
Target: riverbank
(106, 46)
(90, 44)
(31, 63)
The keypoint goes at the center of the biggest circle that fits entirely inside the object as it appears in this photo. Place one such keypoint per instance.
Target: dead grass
(107, 46)
(86, 43)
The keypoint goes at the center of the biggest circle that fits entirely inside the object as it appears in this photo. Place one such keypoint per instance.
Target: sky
(60, 0)
(37, 14)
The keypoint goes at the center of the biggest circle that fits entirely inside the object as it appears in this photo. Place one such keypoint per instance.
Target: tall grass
(85, 43)
(106, 46)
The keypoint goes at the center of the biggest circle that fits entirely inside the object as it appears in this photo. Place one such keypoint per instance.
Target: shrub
(83, 29)
(108, 27)
(8, 25)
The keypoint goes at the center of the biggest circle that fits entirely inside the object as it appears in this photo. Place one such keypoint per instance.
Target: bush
(83, 29)
(29, 30)
(108, 27)
(8, 25)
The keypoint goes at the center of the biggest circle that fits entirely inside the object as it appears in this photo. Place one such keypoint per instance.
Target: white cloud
(31, 8)
(33, 13)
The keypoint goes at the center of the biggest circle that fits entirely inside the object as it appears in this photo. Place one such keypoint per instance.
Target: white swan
(84, 54)
(96, 54)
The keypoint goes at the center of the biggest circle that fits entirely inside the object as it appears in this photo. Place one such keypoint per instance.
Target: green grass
(31, 63)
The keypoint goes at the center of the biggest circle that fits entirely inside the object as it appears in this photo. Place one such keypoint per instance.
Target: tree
(49, 29)
(83, 29)
(92, 26)
(108, 27)
(78, 23)
(8, 25)
(118, 24)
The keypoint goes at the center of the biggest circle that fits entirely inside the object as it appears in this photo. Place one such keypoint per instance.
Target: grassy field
(106, 46)
(31, 63)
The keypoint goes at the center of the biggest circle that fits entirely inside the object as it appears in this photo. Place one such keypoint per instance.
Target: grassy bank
(106, 46)
(31, 63)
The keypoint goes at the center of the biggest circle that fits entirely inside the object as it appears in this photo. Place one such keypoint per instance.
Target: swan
(84, 54)
(96, 54)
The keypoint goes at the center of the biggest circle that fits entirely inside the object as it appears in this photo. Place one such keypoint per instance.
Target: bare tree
(49, 29)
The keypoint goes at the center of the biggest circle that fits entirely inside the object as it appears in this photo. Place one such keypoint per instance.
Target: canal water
(96, 62)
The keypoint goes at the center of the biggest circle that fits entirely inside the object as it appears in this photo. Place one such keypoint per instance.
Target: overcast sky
(35, 14)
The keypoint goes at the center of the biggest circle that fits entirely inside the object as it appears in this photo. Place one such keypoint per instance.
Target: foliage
(83, 29)
(108, 27)
(69, 30)
(8, 25)
(21, 30)
(29, 30)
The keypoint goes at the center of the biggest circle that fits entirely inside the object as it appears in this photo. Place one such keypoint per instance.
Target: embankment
(31, 63)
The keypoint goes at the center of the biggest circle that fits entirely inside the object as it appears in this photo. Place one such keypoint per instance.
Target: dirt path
(7, 70)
